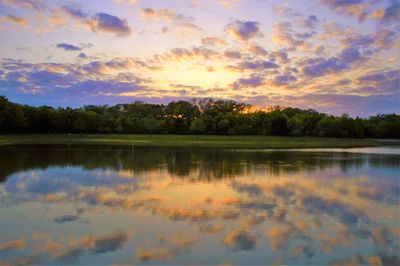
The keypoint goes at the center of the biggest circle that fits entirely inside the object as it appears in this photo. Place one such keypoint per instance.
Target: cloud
(383, 39)
(286, 35)
(358, 40)
(183, 240)
(56, 21)
(211, 228)
(232, 55)
(254, 81)
(99, 22)
(229, 3)
(183, 54)
(163, 14)
(256, 50)
(21, 21)
(386, 39)
(240, 240)
(281, 80)
(249, 189)
(109, 23)
(71, 82)
(37, 5)
(75, 11)
(95, 244)
(213, 41)
(279, 236)
(310, 22)
(334, 29)
(344, 103)
(254, 65)
(392, 12)
(224, 3)
(132, 2)
(321, 66)
(48, 78)
(314, 204)
(341, 3)
(181, 24)
(187, 28)
(82, 55)
(66, 219)
(12, 245)
(356, 8)
(380, 81)
(243, 30)
(350, 55)
(378, 76)
(256, 205)
(68, 47)
(86, 45)
(107, 243)
(281, 56)
(286, 10)
(146, 254)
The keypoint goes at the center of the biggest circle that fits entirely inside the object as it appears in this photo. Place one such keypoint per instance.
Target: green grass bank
(246, 142)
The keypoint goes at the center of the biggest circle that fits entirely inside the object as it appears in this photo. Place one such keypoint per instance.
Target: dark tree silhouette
(205, 116)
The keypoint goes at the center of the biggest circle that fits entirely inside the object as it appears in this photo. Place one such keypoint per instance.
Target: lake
(137, 205)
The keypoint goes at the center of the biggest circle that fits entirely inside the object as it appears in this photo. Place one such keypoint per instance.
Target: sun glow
(195, 75)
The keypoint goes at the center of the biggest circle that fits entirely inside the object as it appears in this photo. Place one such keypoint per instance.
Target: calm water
(99, 205)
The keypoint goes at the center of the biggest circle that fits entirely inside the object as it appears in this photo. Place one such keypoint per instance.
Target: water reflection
(97, 205)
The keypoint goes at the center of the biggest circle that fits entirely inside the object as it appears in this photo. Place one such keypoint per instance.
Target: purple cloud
(281, 56)
(243, 30)
(372, 77)
(74, 11)
(281, 80)
(380, 82)
(255, 65)
(82, 55)
(392, 12)
(254, 81)
(68, 47)
(109, 23)
(47, 79)
(350, 55)
(360, 40)
(324, 66)
(355, 8)
(340, 3)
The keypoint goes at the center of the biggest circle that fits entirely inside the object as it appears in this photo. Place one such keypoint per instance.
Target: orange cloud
(21, 21)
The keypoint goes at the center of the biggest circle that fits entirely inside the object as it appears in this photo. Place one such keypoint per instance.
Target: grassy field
(249, 142)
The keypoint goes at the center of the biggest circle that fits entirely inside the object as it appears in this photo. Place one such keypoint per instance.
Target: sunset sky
(337, 56)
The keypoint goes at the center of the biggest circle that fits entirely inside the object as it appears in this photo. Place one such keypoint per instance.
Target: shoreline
(205, 141)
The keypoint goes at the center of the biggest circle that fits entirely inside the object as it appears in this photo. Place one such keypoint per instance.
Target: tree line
(205, 116)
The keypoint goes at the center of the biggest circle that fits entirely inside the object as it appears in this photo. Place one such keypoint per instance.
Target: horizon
(194, 101)
(332, 56)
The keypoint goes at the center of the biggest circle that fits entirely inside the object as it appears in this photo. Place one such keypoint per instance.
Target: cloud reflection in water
(147, 208)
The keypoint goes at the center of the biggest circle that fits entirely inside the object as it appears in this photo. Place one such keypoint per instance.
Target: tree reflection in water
(103, 205)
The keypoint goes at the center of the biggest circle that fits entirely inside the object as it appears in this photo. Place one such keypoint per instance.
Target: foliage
(206, 116)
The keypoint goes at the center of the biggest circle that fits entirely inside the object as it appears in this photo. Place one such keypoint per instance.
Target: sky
(336, 56)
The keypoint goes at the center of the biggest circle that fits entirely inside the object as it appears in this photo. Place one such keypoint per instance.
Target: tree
(80, 124)
(197, 126)
(279, 124)
(151, 124)
(206, 116)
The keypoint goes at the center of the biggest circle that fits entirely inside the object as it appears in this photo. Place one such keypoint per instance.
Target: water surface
(113, 205)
